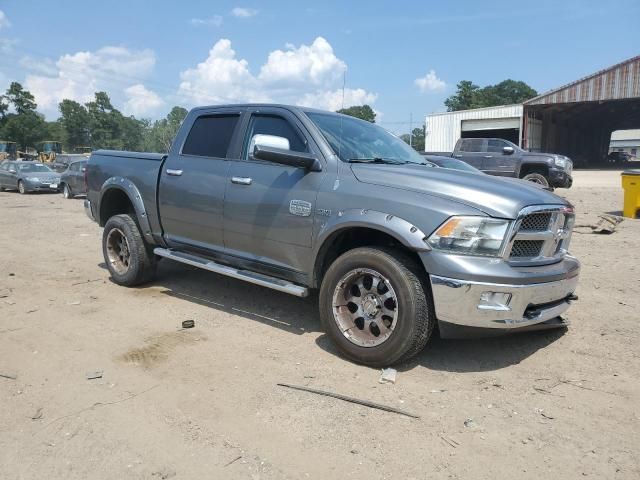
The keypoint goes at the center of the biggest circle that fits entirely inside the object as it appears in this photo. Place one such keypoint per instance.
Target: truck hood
(502, 198)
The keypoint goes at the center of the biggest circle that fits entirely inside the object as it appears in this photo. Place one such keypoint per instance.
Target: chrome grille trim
(555, 237)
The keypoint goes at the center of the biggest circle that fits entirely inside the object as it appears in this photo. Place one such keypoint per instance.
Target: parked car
(618, 157)
(296, 199)
(72, 181)
(496, 156)
(28, 177)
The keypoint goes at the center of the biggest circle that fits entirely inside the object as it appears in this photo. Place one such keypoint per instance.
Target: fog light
(494, 301)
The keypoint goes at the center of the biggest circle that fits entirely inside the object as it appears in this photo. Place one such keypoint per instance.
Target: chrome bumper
(88, 211)
(459, 302)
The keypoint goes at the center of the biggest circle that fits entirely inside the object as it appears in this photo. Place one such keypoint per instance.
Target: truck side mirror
(271, 141)
(12, 170)
(507, 150)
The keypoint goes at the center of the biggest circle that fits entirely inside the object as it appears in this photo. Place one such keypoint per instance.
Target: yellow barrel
(631, 187)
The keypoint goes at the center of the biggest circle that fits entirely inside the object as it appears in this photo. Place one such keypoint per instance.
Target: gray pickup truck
(496, 156)
(296, 199)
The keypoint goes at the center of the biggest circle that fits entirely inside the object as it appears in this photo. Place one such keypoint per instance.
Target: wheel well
(350, 238)
(541, 169)
(114, 202)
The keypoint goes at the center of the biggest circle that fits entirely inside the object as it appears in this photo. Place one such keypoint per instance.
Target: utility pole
(410, 130)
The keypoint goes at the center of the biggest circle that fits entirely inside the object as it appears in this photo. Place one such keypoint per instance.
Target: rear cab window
(210, 135)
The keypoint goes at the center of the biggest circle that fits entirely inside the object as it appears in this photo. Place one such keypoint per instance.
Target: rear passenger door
(472, 151)
(496, 162)
(193, 181)
(269, 207)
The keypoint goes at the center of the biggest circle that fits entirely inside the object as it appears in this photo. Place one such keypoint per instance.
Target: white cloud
(315, 64)
(332, 100)
(221, 78)
(430, 83)
(214, 21)
(244, 12)
(142, 102)
(46, 66)
(306, 75)
(77, 76)
(4, 21)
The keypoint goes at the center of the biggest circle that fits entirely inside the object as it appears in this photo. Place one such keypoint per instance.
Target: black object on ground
(188, 324)
(366, 403)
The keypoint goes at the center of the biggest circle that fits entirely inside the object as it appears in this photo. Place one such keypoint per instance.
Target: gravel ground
(203, 403)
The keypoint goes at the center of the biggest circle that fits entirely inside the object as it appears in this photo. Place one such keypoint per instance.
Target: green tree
(74, 118)
(468, 95)
(21, 99)
(104, 122)
(416, 138)
(159, 136)
(363, 112)
(25, 129)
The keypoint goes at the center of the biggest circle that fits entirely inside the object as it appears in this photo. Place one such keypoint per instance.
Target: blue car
(28, 177)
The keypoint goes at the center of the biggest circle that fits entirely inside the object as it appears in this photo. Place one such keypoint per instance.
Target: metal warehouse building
(574, 120)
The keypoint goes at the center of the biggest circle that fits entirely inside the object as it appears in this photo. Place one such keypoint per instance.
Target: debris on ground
(74, 303)
(188, 324)
(470, 423)
(388, 375)
(605, 226)
(345, 398)
(94, 375)
(37, 415)
(9, 376)
(234, 460)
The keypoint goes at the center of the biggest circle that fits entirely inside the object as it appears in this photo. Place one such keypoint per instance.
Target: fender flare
(402, 230)
(132, 192)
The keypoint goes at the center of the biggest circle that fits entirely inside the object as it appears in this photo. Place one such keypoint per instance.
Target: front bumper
(88, 210)
(459, 302)
(560, 179)
(31, 186)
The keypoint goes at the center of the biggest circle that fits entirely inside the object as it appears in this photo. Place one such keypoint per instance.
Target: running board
(247, 276)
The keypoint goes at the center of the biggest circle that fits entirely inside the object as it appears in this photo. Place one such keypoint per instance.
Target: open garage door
(505, 128)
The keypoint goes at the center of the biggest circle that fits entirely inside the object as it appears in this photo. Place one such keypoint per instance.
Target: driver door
(269, 208)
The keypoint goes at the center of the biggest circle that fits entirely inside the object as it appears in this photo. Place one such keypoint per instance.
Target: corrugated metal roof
(619, 82)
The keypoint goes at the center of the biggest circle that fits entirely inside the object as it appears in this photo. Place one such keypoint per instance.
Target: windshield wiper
(388, 161)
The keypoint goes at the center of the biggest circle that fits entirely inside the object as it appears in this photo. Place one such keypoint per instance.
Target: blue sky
(402, 57)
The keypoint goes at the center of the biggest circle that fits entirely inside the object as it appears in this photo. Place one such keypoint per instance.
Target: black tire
(21, 188)
(537, 178)
(416, 315)
(141, 265)
(66, 191)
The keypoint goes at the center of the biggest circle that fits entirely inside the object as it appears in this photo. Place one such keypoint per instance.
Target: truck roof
(293, 108)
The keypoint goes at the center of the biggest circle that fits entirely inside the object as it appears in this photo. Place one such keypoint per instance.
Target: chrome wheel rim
(536, 180)
(365, 307)
(118, 251)
(66, 191)
(21, 187)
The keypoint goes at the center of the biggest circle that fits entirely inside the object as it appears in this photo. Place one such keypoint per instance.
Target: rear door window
(471, 145)
(210, 136)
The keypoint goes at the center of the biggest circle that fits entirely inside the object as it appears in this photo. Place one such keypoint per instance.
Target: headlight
(561, 162)
(470, 236)
(33, 179)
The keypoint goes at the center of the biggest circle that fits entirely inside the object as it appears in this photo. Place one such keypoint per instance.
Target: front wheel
(129, 259)
(376, 307)
(537, 178)
(66, 192)
(21, 188)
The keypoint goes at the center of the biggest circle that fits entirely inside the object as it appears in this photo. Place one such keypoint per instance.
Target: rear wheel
(21, 188)
(375, 306)
(66, 192)
(129, 259)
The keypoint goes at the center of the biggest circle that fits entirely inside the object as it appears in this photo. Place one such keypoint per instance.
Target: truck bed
(138, 168)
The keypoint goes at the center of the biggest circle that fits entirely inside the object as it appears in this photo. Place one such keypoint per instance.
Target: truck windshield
(355, 140)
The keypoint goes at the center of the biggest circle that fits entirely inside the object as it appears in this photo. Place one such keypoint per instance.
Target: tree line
(95, 124)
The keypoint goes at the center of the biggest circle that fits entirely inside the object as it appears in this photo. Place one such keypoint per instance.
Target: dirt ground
(203, 403)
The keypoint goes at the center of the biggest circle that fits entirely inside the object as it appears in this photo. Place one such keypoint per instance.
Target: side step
(247, 276)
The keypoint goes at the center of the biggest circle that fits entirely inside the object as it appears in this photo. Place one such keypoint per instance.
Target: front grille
(536, 222)
(526, 248)
(542, 236)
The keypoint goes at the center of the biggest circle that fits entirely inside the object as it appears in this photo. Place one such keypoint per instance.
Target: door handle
(241, 180)
(174, 173)
(488, 156)
(458, 156)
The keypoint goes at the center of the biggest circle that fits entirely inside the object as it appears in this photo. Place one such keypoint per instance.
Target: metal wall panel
(444, 129)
